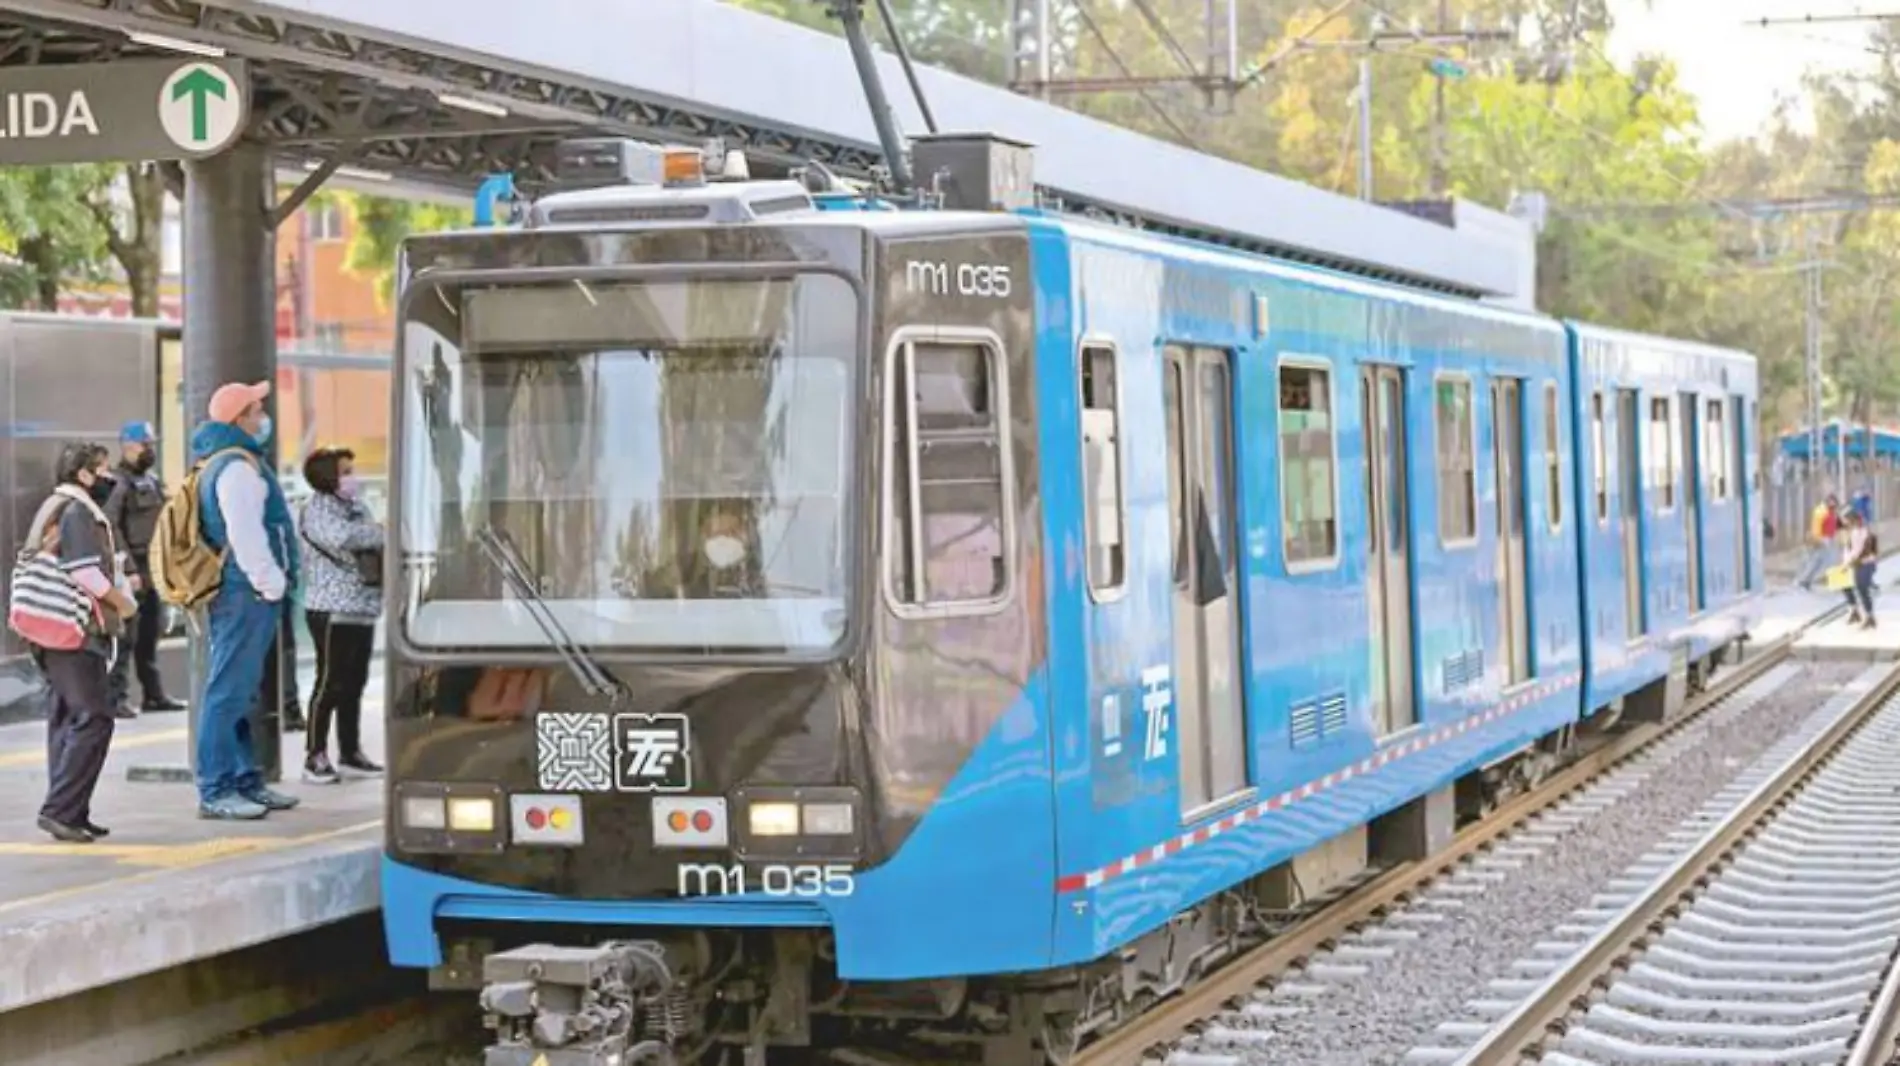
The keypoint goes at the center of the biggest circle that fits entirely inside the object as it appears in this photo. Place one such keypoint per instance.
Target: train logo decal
(1156, 697)
(574, 752)
(652, 753)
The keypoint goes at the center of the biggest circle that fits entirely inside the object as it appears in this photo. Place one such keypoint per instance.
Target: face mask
(349, 488)
(100, 489)
(262, 436)
(144, 462)
(725, 551)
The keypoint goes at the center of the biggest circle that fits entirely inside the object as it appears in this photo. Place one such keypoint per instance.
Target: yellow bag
(1838, 578)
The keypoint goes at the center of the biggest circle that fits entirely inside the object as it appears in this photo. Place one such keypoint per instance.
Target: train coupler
(612, 1004)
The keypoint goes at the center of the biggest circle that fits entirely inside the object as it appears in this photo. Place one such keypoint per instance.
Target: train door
(1199, 396)
(1630, 476)
(1692, 461)
(1507, 413)
(1388, 545)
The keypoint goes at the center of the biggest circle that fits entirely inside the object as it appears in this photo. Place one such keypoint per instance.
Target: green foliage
(1632, 240)
(380, 224)
(48, 232)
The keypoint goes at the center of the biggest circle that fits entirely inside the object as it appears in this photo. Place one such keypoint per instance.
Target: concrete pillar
(231, 335)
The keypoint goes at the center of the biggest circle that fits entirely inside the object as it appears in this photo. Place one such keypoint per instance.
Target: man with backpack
(235, 548)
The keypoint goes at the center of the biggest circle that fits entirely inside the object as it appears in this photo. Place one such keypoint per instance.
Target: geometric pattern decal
(574, 751)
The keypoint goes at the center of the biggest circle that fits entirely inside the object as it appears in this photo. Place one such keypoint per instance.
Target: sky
(1737, 70)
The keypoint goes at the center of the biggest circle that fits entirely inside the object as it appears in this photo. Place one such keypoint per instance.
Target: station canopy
(434, 95)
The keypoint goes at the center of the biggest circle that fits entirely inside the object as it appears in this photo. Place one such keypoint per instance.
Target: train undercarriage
(772, 997)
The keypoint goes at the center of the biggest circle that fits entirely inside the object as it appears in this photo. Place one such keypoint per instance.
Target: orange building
(323, 309)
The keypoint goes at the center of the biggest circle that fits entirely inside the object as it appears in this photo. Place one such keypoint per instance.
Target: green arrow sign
(199, 85)
(1447, 68)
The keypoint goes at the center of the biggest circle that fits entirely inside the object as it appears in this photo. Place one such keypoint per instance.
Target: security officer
(133, 510)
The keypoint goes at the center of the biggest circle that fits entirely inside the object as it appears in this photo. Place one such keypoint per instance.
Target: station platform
(168, 888)
(1838, 640)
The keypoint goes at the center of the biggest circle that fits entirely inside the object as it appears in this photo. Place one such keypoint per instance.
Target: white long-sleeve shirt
(241, 498)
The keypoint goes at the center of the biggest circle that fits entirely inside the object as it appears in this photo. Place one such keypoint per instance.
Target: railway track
(1764, 931)
(1367, 904)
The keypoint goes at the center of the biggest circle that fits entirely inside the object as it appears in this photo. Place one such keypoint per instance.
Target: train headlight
(472, 814)
(424, 812)
(773, 819)
(828, 819)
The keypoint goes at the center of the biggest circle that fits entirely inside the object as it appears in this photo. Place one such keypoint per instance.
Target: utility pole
(1439, 179)
(1365, 127)
(1812, 308)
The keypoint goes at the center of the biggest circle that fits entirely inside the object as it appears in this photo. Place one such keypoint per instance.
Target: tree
(50, 232)
(135, 236)
(379, 225)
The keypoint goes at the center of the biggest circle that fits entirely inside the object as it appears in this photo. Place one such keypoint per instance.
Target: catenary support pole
(230, 335)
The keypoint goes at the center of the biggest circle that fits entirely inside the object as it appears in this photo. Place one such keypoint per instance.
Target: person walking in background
(342, 599)
(1858, 555)
(1824, 524)
(244, 515)
(137, 494)
(72, 529)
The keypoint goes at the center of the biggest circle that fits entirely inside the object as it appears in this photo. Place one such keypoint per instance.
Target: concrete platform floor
(167, 887)
(1840, 641)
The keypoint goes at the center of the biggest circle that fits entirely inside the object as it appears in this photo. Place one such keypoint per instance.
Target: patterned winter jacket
(333, 526)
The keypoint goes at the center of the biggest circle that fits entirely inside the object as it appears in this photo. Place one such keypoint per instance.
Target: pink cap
(231, 400)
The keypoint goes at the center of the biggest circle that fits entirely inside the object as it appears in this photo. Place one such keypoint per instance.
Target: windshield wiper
(594, 678)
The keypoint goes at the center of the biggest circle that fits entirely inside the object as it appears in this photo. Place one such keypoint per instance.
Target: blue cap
(137, 433)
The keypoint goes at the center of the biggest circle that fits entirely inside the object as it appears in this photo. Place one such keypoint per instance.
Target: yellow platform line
(183, 856)
(37, 756)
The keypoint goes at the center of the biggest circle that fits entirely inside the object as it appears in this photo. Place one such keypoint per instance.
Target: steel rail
(1520, 1031)
(1171, 1019)
(1880, 1029)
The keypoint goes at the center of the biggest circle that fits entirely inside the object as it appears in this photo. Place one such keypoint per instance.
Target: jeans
(1860, 596)
(343, 654)
(1815, 564)
(241, 628)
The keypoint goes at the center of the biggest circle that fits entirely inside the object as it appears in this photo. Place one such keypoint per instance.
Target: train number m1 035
(984, 280)
(712, 879)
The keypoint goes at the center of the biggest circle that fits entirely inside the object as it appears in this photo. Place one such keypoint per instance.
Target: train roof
(1223, 258)
(730, 202)
(1657, 343)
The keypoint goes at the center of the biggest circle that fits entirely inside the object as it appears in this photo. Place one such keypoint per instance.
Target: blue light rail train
(956, 629)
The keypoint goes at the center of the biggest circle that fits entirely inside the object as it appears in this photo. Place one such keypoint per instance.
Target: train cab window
(1553, 463)
(1102, 519)
(1457, 462)
(950, 524)
(1600, 457)
(1309, 461)
(1715, 451)
(1661, 449)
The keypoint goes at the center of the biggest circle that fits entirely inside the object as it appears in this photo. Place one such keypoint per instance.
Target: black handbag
(367, 562)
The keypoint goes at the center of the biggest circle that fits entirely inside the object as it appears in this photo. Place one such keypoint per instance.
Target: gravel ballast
(1379, 991)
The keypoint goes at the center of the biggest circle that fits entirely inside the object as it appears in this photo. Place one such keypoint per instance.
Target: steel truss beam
(323, 94)
(329, 74)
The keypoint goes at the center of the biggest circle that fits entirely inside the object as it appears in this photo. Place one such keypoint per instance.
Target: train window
(1553, 466)
(1309, 461)
(1715, 451)
(1102, 518)
(1457, 462)
(1600, 457)
(950, 525)
(1662, 452)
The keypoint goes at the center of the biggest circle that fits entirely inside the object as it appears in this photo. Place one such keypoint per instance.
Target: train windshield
(669, 458)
